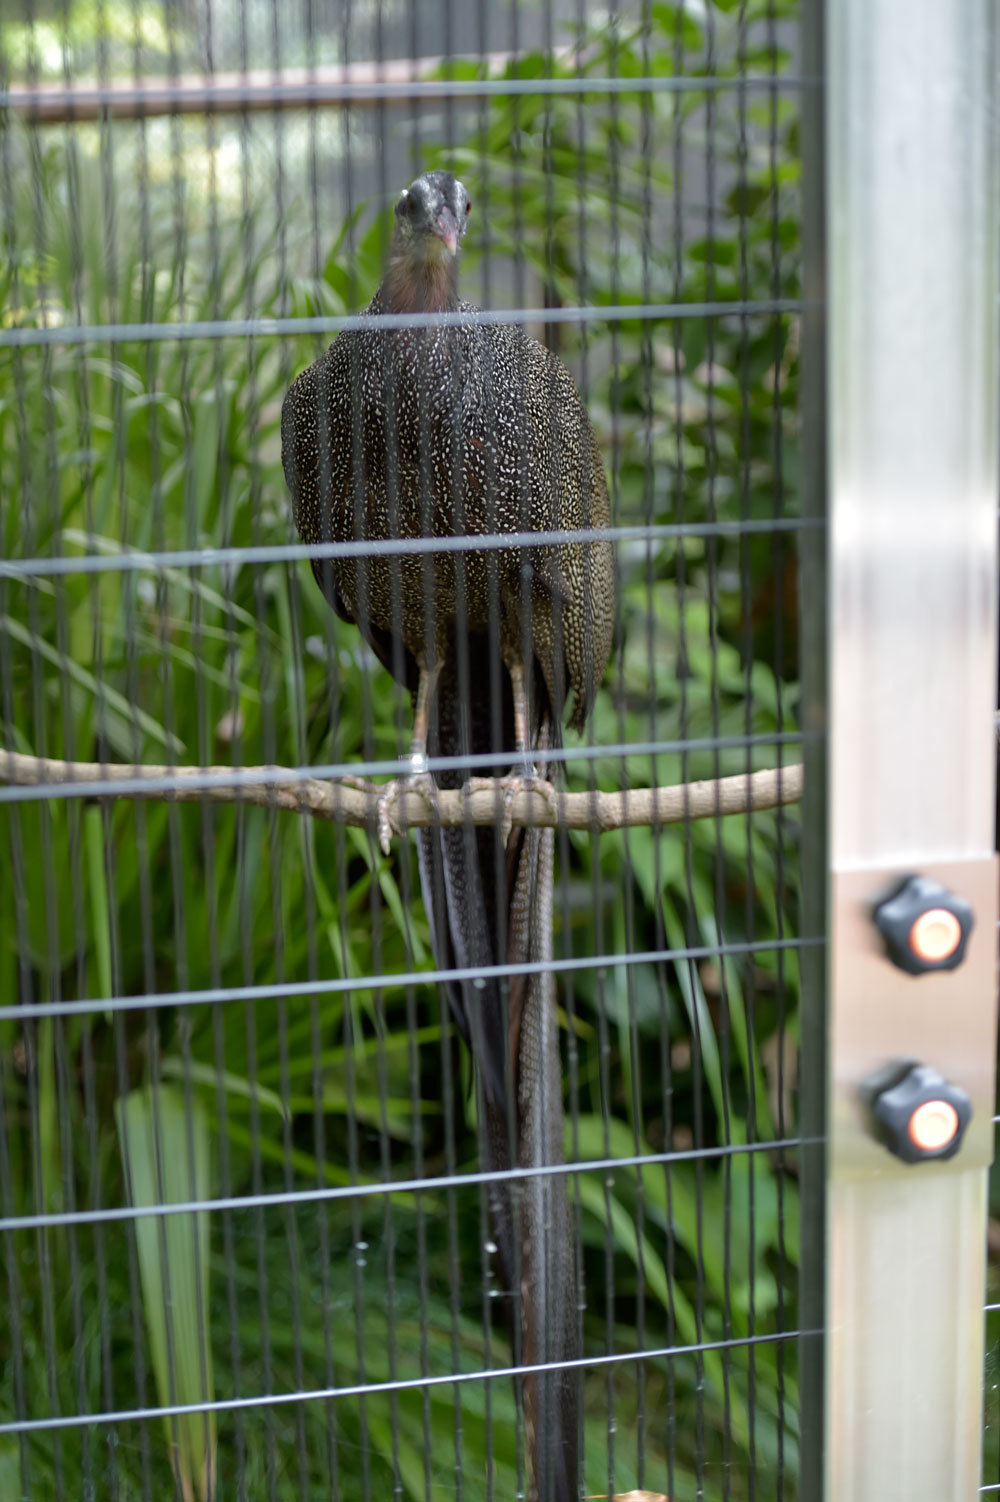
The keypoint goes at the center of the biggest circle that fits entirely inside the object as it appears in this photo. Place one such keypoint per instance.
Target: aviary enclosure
(459, 1042)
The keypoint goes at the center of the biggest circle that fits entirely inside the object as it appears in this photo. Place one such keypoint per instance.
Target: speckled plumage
(472, 429)
(451, 430)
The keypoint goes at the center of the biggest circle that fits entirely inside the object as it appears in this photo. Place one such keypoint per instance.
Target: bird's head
(431, 215)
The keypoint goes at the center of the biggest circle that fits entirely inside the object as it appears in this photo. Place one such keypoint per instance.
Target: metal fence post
(912, 332)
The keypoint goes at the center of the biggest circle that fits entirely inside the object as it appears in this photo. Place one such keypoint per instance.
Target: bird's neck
(417, 284)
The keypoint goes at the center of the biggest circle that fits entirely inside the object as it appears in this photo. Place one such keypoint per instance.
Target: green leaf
(210, 1078)
(165, 1147)
(102, 692)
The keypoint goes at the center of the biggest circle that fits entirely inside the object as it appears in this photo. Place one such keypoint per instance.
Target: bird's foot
(528, 781)
(508, 788)
(418, 780)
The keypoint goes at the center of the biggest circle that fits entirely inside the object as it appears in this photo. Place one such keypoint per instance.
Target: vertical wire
(628, 974)
(330, 1408)
(465, 695)
(435, 632)
(64, 1086)
(25, 987)
(712, 572)
(751, 1115)
(508, 1201)
(39, 1039)
(156, 1138)
(454, 1261)
(556, 518)
(647, 122)
(9, 1210)
(206, 813)
(180, 853)
(378, 999)
(10, 1091)
(582, 293)
(778, 553)
(245, 875)
(746, 611)
(614, 24)
(348, 1015)
(569, 1186)
(496, 688)
(406, 870)
(213, 865)
(419, 1169)
(358, 1245)
(206, 820)
(409, 890)
(294, 689)
(73, 821)
(684, 726)
(511, 1198)
(498, 698)
(141, 813)
(565, 850)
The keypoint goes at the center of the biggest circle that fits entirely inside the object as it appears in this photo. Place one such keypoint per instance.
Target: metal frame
(912, 331)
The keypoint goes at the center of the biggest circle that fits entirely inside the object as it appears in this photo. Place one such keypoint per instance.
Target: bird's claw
(527, 781)
(418, 781)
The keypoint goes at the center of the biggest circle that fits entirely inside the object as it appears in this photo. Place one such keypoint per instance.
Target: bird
(455, 425)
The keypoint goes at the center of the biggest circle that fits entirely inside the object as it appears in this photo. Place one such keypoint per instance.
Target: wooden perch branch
(352, 801)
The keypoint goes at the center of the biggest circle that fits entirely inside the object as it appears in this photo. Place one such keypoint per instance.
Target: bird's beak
(446, 230)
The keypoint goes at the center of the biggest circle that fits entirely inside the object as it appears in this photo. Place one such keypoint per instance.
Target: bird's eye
(468, 205)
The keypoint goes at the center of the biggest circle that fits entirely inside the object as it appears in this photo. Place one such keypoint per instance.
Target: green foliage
(172, 444)
(166, 1148)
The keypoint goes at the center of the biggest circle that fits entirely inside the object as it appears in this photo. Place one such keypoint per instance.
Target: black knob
(925, 927)
(919, 1115)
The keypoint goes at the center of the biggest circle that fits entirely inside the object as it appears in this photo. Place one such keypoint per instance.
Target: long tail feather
(473, 892)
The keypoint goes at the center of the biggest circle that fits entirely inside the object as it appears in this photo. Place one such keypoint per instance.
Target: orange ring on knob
(935, 935)
(933, 1125)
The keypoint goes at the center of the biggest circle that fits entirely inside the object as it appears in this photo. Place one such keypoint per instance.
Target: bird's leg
(522, 738)
(418, 779)
(527, 779)
(426, 684)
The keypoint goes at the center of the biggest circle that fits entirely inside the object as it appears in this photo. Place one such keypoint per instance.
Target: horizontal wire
(268, 328)
(336, 985)
(136, 560)
(400, 767)
(399, 1384)
(59, 104)
(322, 1194)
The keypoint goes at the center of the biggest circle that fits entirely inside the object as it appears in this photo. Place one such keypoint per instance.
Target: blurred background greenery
(641, 197)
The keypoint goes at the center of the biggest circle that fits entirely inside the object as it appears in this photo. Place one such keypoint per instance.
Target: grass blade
(165, 1150)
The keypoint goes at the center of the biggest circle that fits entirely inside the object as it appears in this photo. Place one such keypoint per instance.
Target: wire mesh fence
(257, 1237)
